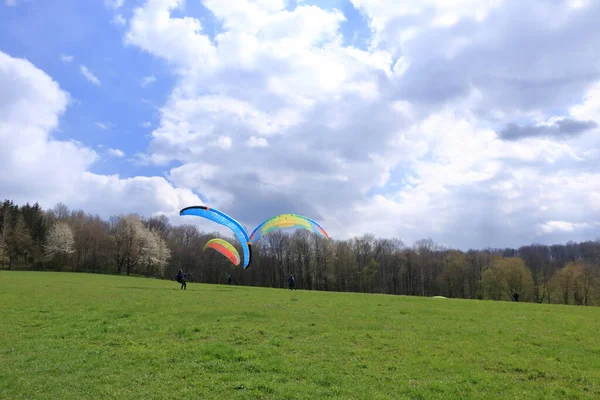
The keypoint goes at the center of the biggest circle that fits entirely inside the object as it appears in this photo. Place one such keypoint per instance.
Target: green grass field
(80, 336)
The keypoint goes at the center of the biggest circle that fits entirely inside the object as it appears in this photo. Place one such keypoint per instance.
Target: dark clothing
(292, 283)
(516, 297)
(181, 279)
(229, 279)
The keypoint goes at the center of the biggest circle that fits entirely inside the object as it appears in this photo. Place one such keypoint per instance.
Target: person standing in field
(229, 279)
(181, 279)
(292, 282)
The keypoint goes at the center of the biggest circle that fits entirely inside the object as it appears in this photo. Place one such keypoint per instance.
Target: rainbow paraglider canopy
(225, 248)
(221, 218)
(287, 221)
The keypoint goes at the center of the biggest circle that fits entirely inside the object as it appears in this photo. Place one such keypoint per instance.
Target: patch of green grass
(81, 336)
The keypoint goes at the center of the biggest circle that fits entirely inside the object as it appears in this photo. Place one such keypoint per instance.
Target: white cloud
(563, 226)
(66, 58)
(254, 141)
(384, 16)
(274, 113)
(118, 19)
(344, 124)
(147, 80)
(101, 125)
(49, 170)
(10, 3)
(589, 108)
(223, 142)
(89, 75)
(116, 153)
(146, 124)
(114, 4)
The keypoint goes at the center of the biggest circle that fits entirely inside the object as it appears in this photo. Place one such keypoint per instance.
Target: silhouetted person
(181, 279)
(292, 282)
(516, 296)
(229, 279)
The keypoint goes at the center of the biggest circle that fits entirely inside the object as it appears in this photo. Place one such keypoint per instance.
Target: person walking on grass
(229, 279)
(181, 279)
(292, 282)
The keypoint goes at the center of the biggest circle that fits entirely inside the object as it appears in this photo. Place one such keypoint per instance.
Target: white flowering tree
(60, 240)
(137, 247)
(154, 252)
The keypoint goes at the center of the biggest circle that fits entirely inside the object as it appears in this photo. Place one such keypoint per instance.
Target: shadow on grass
(228, 289)
(147, 288)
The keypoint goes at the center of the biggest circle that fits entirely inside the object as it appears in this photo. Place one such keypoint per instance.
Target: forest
(60, 239)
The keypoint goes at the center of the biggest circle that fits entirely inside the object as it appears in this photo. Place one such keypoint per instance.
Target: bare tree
(2, 249)
(61, 211)
(565, 280)
(345, 265)
(301, 258)
(278, 245)
(398, 265)
(4, 227)
(589, 276)
(123, 237)
(426, 249)
(454, 275)
(363, 252)
(18, 242)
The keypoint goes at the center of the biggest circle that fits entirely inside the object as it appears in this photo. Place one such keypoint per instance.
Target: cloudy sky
(473, 122)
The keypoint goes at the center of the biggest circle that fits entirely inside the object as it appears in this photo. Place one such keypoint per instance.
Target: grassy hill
(81, 336)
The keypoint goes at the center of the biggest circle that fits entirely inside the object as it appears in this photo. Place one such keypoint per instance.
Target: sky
(474, 123)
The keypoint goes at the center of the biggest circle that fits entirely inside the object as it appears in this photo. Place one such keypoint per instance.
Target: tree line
(60, 239)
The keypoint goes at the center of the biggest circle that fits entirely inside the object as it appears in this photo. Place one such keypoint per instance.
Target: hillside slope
(81, 336)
